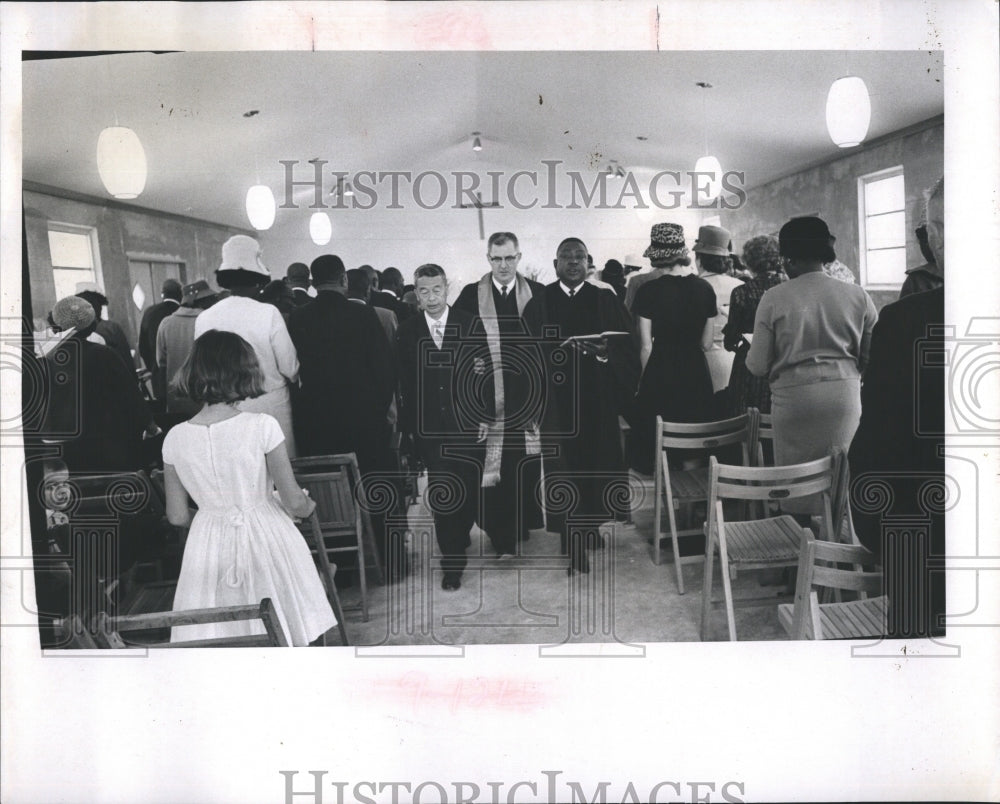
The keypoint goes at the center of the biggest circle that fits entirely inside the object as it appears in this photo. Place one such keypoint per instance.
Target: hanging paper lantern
(709, 165)
(320, 228)
(121, 161)
(848, 111)
(260, 207)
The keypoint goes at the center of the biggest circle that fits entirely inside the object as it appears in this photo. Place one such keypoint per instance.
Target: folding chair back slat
(807, 618)
(108, 630)
(691, 486)
(766, 542)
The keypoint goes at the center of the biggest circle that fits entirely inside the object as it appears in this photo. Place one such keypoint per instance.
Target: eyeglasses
(506, 260)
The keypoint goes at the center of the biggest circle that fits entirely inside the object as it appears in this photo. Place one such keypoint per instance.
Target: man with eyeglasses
(510, 312)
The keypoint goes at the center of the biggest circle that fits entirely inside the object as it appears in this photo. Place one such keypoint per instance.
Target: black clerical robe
(588, 393)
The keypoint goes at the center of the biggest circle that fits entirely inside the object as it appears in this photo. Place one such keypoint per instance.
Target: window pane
(886, 231)
(70, 250)
(66, 279)
(886, 267)
(885, 195)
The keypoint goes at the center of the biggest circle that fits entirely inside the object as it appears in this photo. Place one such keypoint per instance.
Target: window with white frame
(74, 257)
(882, 227)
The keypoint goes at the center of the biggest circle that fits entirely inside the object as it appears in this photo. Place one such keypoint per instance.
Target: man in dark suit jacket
(436, 355)
(510, 313)
(150, 324)
(347, 376)
(899, 444)
(297, 280)
(387, 292)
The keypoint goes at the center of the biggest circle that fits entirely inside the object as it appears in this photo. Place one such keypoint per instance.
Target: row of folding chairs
(761, 537)
(340, 524)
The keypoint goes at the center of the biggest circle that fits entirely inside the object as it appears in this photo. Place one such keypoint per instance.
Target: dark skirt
(676, 386)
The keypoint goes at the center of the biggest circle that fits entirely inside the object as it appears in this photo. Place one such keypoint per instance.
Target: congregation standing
(512, 382)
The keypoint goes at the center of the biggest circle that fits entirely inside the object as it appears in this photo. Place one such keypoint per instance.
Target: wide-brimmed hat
(241, 252)
(666, 242)
(73, 313)
(713, 240)
(196, 291)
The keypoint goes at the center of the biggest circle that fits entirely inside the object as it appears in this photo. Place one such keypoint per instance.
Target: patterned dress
(746, 390)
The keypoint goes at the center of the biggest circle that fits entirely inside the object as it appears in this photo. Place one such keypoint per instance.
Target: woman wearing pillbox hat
(810, 339)
(673, 312)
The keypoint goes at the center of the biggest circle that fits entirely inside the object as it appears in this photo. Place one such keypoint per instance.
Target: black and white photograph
(577, 385)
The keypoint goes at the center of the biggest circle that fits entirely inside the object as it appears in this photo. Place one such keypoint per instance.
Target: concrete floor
(624, 600)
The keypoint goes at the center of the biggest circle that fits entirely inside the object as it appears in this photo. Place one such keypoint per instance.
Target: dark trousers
(452, 496)
(510, 508)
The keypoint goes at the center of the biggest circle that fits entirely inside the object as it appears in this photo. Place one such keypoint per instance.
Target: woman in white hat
(258, 323)
(711, 252)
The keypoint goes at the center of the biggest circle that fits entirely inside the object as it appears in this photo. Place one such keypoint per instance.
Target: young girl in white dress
(242, 545)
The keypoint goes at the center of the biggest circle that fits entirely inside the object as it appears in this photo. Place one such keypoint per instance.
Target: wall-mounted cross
(478, 206)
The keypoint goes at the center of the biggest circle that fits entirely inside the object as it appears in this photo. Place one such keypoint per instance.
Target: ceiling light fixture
(848, 111)
(260, 204)
(320, 228)
(121, 162)
(477, 144)
(707, 164)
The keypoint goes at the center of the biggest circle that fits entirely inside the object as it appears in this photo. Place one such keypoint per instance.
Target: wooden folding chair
(763, 543)
(763, 436)
(807, 618)
(686, 487)
(108, 630)
(327, 572)
(334, 482)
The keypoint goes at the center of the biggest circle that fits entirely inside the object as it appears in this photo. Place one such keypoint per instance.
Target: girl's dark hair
(240, 278)
(714, 263)
(222, 367)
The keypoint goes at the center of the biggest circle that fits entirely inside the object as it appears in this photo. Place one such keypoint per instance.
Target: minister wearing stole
(510, 312)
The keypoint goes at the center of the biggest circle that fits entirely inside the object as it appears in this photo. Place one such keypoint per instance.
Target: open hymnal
(597, 336)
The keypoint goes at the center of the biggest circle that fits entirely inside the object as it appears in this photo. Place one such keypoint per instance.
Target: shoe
(451, 583)
(504, 556)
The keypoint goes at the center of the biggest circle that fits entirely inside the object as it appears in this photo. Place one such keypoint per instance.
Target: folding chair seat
(762, 543)
(686, 487)
(807, 618)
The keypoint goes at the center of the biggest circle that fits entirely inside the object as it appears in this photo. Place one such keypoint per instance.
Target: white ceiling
(415, 111)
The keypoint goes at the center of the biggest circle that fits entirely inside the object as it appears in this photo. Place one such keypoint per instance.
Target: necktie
(503, 292)
(572, 292)
(437, 335)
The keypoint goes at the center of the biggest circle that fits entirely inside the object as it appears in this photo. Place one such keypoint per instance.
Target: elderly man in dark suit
(436, 354)
(510, 313)
(347, 375)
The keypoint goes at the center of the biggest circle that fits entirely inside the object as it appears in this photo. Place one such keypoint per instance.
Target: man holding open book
(595, 369)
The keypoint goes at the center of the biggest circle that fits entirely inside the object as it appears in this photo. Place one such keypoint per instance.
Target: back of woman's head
(807, 238)
(761, 255)
(222, 367)
(714, 264)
